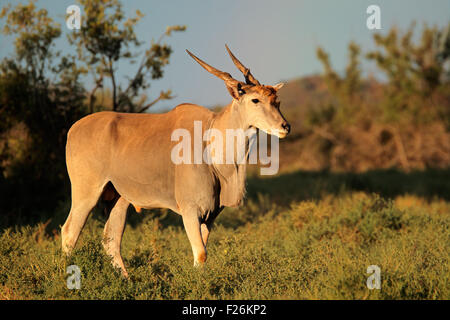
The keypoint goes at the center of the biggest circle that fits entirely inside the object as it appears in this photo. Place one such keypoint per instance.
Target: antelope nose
(286, 126)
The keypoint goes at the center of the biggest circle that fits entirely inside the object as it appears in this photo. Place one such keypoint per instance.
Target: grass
(300, 235)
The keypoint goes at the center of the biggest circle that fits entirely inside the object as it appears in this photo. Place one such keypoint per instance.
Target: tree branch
(162, 96)
(113, 80)
(98, 84)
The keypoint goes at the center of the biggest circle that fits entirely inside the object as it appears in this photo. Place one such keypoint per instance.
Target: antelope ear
(278, 86)
(240, 91)
(235, 90)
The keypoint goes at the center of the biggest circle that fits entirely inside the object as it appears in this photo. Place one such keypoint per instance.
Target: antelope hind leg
(83, 201)
(112, 235)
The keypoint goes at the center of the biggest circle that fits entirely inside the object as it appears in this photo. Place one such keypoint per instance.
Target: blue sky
(275, 39)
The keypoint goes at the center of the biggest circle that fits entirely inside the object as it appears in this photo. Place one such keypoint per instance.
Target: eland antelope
(127, 157)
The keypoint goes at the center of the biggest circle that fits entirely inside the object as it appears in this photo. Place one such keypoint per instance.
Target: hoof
(201, 259)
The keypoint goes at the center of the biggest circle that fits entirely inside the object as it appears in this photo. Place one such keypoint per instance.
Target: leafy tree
(415, 73)
(105, 38)
(388, 121)
(41, 93)
(346, 89)
(40, 97)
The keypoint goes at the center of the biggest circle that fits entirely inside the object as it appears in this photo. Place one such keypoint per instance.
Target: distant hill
(310, 91)
(306, 91)
(302, 94)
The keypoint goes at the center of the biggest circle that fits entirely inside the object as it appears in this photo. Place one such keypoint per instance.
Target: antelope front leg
(193, 229)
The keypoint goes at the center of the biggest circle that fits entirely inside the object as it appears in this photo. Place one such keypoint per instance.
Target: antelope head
(256, 103)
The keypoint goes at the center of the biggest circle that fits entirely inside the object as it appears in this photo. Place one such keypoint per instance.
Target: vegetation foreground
(298, 236)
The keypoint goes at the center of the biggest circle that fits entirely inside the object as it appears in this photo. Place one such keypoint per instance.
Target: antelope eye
(255, 101)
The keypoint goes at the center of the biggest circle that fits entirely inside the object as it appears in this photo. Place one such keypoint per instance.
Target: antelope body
(129, 155)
